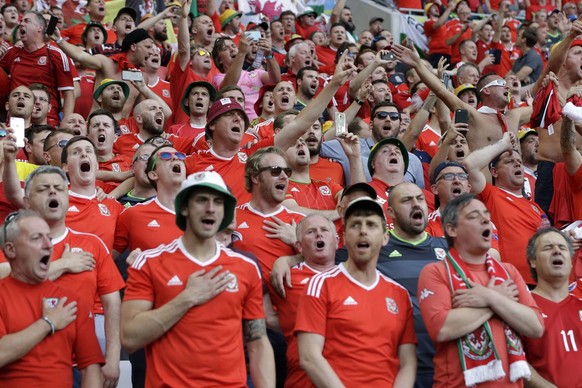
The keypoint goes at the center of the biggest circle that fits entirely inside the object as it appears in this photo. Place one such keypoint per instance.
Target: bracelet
(50, 323)
(60, 40)
(269, 56)
(359, 102)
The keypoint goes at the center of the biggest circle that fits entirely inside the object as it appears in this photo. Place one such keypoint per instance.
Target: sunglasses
(158, 141)
(10, 218)
(202, 53)
(495, 82)
(61, 144)
(394, 116)
(166, 155)
(450, 176)
(142, 157)
(276, 170)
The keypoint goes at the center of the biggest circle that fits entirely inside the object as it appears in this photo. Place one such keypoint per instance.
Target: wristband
(60, 40)
(50, 323)
(359, 102)
(269, 56)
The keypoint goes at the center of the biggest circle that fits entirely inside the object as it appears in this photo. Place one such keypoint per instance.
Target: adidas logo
(432, 143)
(209, 168)
(350, 301)
(544, 315)
(154, 224)
(175, 281)
(305, 281)
(244, 225)
(295, 189)
(73, 209)
(395, 253)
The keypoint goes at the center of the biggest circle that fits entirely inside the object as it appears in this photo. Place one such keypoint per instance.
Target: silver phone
(17, 125)
(341, 128)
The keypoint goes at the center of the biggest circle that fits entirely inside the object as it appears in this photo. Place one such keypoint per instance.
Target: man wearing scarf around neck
(478, 308)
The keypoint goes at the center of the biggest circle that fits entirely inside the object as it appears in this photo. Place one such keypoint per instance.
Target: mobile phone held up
(52, 24)
(253, 35)
(130, 75)
(462, 116)
(17, 125)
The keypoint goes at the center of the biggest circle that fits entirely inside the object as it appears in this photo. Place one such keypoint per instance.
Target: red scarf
(479, 357)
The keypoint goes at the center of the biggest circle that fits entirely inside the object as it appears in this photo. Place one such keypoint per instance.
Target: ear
(298, 247)
(391, 213)
(385, 237)
(100, 99)
(47, 157)
(9, 250)
(433, 188)
(65, 168)
(153, 175)
(26, 202)
(255, 179)
(6, 106)
(451, 230)
(27, 146)
(494, 173)
(184, 211)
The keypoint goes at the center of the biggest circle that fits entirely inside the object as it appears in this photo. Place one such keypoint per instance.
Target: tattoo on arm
(568, 136)
(254, 329)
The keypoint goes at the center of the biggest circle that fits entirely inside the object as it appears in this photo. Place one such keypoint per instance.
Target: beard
(160, 36)
(349, 26)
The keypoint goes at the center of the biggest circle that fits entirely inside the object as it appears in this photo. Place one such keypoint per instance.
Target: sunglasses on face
(202, 53)
(158, 141)
(495, 82)
(450, 176)
(166, 155)
(276, 170)
(394, 116)
(142, 157)
(61, 144)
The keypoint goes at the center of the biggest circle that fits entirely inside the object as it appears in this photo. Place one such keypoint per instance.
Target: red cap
(222, 106)
(264, 89)
(576, 42)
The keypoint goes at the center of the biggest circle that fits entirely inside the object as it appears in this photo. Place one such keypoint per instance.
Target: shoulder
(155, 253)
(318, 281)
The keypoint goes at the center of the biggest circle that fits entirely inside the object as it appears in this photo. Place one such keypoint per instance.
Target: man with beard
(528, 146)
(149, 118)
(409, 249)
(298, 57)
(358, 299)
(158, 31)
(516, 217)
(136, 48)
(384, 122)
(40, 63)
(196, 101)
(307, 85)
(113, 169)
(342, 14)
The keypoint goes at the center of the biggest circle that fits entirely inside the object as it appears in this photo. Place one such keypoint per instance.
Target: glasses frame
(450, 176)
(273, 171)
(496, 82)
(394, 116)
(58, 144)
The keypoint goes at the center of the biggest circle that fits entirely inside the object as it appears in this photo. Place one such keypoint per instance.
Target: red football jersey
(213, 328)
(363, 325)
(556, 356)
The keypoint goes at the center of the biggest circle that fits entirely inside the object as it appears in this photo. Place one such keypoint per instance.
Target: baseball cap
(227, 16)
(442, 166)
(307, 11)
(208, 86)
(522, 134)
(253, 25)
(292, 39)
(207, 179)
(108, 81)
(134, 37)
(364, 203)
(376, 19)
(463, 88)
(222, 106)
(369, 190)
(380, 144)
(86, 31)
(554, 12)
(264, 89)
(127, 11)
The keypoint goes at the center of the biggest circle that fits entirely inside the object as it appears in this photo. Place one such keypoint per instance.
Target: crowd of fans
(301, 198)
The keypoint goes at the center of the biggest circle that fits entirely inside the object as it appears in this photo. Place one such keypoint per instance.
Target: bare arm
(68, 101)
(365, 74)
(140, 325)
(294, 130)
(233, 73)
(91, 377)
(147, 93)
(123, 188)
(273, 75)
(461, 321)
(414, 130)
(10, 179)
(572, 158)
(445, 16)
(336, 11)
(451, 40)
(312, 361)
(271, 317)
(111, 310)
(95, 62)
(14, 346)
(407, 371)
(184, 35)
(261, 358)
(150, 22)
(480, 158)
(536, 380)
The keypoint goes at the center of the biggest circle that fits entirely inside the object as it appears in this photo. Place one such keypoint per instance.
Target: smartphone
(50, 28)
(17, 125)
(497, 54)
(388, 57)
(341, 128)
(447, 80)
(462, 116)
(130, 75)
(253, 35)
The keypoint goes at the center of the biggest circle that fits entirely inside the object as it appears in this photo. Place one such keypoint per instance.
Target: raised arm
(184, 36)
(233, 73)
(150, 22)
(10, 179)
(479, 159)
(414, 130)
(445, 15)
(337, 11)
(146, 93)
(365, 74)
(273, 75)
(572, 157)
(290, 133)
(95, 62)
(411, 58)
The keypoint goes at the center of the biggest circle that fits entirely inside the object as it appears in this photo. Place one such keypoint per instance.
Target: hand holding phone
(17, 125)
(129, 75)
(50, 28)
(462, 116)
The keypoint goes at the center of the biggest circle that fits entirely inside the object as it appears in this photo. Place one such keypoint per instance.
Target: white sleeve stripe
(316, 283)
(64, 58)
(155, 252)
